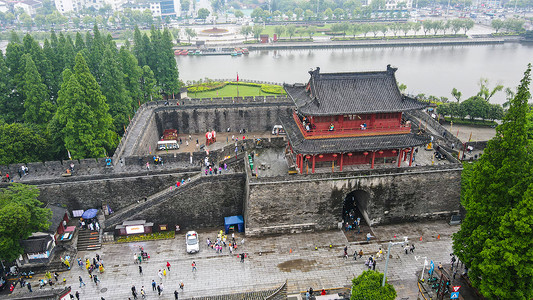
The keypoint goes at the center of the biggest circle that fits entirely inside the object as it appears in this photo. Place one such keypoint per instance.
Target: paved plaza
(270, 261)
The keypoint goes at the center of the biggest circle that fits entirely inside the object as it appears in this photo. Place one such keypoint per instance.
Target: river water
(432, 70)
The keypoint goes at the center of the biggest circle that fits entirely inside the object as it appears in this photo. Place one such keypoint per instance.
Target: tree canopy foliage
(21, 214)
(495, 240)
(31, 81)
(367, 286)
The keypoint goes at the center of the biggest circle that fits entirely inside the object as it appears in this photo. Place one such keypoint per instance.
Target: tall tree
(132, 75)
(139, 48)
(114, 90)
(14, 108)
(168, 79)
(21, 214)
(82, 115)
(37, 105)
(149, 86)
(495, 241)
(5, 89)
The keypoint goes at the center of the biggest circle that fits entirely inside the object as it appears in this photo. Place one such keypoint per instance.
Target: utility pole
(388, 255)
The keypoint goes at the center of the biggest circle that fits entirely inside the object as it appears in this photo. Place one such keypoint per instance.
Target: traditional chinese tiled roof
(348, 144)
(350, 93)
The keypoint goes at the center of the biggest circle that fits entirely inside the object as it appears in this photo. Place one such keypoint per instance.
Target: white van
(168, 145)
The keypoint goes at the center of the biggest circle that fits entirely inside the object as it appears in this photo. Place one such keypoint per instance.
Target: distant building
(65, 6)
(153, 6)
(29, 6)
(397, 4)
(168, 8)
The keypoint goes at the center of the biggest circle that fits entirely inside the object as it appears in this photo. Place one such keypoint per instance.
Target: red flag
(237, 77)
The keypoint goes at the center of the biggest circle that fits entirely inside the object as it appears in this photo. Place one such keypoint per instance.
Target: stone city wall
(315, 201)
(204, 205)
(116, 192)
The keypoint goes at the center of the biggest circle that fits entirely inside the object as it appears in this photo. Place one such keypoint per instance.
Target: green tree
(82, 115)
(500, 188)
(238, 14)
(203, 13)
(5, 89)
(113, 88)
(299, 13)
(328, 13)
(291, 30)
(257, 30)
(485, 91)
(21, 214)
(456, 25)
(190, 33)
(279, 30)
(19, 143)
(367, 286)
(37, 105)
(311, 30)
(246, 31)
(13, 109)
(456, 94)
(467, 24)
(168, 77)
(148, 85)
(427, 26)
(338, 13)
(132, 75)
(257, 14)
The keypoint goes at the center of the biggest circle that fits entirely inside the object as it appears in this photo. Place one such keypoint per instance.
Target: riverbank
(370, 43)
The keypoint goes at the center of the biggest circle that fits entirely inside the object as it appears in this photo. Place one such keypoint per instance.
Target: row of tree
(509, 25)
(77, 95)
(475, 107)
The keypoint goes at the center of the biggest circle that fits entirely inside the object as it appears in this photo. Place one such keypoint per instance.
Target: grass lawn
(230, 91)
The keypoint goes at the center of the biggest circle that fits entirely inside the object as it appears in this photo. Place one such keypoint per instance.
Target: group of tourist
(23, 171)
(222, 242)
(91, 224)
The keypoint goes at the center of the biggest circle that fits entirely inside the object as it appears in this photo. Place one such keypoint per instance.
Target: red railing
(351, 132)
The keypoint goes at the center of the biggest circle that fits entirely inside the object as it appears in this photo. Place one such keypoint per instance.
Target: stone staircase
(129, 212)
(88, 240)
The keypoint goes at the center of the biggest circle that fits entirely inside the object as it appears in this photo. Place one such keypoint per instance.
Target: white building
(65, 6)
(29, 6)
(154, 7)
(395, 4)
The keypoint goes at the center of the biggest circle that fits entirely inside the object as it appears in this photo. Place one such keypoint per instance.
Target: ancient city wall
(204, 205)
(203, 116)
(315, 201)
(116, 192)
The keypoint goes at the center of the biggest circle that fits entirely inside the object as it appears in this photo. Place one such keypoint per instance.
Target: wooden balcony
(351, 132)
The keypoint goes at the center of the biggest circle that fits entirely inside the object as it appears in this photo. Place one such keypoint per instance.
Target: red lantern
(393, 151)
(308, 156)
(321, 156)
(380, 151)
(334, 155)
(349, 154)
(365, 153)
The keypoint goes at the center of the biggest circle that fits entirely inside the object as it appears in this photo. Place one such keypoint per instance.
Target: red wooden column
(405, 156)
(301, 163)
(399, 157)
(313, 171)
(373, 157)
(342, 155)
(411, 159)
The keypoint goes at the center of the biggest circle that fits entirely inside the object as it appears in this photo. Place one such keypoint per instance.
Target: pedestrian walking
(95, 278)
(29, 287)
(373, 266)
(181, 285)
(77, 295)
(412, 249)
(140, 270)
(143, 293)
(355, 255)
(153, 285)
(194, 266)
(56, 276)
(159, 290)
(81, 281)
(176, 295)
(168, 265)
(361, 253)
(406, 248)
(160, 274)
(242, 257)
(345, 252)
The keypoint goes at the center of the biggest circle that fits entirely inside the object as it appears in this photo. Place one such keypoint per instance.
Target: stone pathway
(270, 261)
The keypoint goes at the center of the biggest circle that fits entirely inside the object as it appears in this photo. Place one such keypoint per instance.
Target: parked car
(192, 241)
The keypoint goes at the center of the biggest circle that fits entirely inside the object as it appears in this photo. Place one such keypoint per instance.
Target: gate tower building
(350, 119)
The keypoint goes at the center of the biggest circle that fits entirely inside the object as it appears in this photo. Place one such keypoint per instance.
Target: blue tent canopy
(89, 214)
(234, 221)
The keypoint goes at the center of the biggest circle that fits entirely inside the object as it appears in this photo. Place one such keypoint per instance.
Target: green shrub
(485, 123)
(205, 87)
(294, 40)
(272, 89)
(147, 237)
(251, 42)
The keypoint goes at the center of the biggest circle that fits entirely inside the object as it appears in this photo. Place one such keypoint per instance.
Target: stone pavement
(270, 261)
